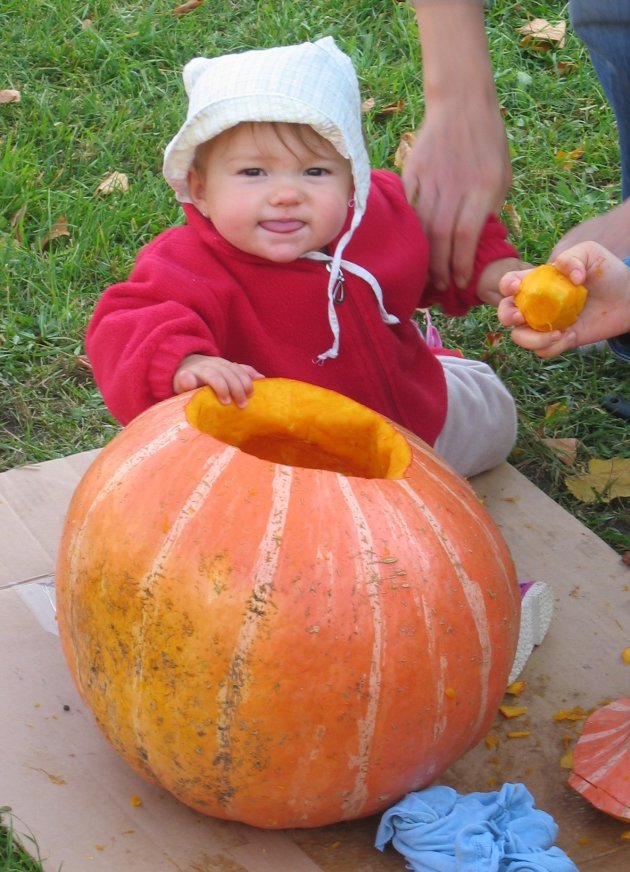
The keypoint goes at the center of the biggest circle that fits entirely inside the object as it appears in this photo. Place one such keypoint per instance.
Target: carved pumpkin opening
(296, 424)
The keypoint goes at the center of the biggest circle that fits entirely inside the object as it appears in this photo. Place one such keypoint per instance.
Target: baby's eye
(251, 172)
(317, 171)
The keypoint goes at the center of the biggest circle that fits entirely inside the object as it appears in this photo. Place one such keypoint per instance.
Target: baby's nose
(287, 193)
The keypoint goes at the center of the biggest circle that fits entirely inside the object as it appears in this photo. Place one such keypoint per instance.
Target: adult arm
(458, 170)
(611, 229)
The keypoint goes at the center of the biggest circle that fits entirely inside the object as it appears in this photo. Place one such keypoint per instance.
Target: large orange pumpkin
(292, 632)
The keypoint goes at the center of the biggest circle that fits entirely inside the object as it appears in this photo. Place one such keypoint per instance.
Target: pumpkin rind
(280, 645)
(601, 760)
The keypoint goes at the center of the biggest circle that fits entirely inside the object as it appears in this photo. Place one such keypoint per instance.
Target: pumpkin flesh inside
(297, 424)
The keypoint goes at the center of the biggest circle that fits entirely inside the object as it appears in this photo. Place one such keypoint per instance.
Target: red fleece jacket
(192, 292)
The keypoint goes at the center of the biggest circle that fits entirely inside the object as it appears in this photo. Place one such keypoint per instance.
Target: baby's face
(273, 190)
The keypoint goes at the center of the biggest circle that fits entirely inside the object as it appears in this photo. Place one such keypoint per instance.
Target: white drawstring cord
(336, 263)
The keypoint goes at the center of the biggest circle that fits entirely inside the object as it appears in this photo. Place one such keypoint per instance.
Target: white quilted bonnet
(311, 83)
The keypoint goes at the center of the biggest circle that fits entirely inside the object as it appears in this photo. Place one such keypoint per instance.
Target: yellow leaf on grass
(569, 158)
(605, 480)
(555, 409)
(542, 34)
(113, 182)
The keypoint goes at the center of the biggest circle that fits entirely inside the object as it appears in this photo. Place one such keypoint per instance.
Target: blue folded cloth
(439, 830)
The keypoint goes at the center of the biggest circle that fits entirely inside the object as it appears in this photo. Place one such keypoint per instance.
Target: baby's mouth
(282, 226)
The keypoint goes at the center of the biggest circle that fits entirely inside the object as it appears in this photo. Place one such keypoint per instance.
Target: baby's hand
(606, 313)
(230, 381)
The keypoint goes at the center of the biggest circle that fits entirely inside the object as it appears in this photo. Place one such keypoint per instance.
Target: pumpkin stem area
(297, 424)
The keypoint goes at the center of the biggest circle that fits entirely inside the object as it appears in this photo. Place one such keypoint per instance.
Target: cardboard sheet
(86, 810)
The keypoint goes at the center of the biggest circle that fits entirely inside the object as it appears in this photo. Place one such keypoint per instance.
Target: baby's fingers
(236, 384)
(185, 380)
(509, 314)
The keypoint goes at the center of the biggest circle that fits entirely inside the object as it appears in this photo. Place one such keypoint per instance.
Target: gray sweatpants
(480, 427)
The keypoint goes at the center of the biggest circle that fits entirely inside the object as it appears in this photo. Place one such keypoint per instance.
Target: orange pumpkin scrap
(266, 608)
(548, 300)
(601, 760)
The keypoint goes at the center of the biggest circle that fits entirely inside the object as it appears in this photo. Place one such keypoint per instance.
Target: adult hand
(231, 382)
(606, 313)
(458, 170)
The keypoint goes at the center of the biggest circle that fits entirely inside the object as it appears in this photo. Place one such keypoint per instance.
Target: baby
(296, 260)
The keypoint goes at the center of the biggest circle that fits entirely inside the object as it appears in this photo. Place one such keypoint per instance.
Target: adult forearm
(455, 58)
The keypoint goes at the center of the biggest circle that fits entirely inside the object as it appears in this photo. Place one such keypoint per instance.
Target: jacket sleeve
(140, 332)
(493, 245)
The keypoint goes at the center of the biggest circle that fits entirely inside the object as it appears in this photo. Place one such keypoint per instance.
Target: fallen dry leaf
(113, 182)
(540, 35)
(57, 231)
(404, 147)
(16, 221)
(565, 68)
(187, 7)
(513, 220)
(569, 158)
(555, 409)
(605, 480)
(368, 104)
(565, 449)
(391, 109)
(10, 96)
(82, 361)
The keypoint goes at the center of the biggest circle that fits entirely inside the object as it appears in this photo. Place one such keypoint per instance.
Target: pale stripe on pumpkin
(213, 469)
(263, 575)
(139, 457)
(473, 596)
(354, 803)
(481, 519)
(612, 760)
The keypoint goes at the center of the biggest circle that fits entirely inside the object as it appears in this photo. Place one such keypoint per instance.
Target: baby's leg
(480, 427)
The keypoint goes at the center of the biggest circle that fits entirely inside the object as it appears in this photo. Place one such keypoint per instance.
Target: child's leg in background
(480, 427)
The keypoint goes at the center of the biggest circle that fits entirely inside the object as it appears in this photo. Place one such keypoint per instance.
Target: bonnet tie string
(336, 263)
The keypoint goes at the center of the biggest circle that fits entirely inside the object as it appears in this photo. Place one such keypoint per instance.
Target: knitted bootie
(536, 614)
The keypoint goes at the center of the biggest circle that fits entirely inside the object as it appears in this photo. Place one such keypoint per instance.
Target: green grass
(101, 91)
(13, 857)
